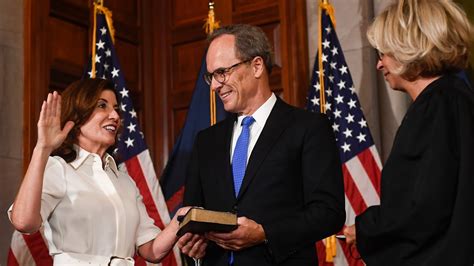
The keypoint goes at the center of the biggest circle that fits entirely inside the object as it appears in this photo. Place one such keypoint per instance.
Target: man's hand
(193, 245)
(247, 234)
(350, 233)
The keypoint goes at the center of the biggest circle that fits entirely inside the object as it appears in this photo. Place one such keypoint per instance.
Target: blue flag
(198, 118)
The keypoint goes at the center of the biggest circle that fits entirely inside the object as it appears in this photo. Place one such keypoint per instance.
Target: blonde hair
(427, 37)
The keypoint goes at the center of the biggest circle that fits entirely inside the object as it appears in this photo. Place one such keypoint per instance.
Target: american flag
(29, 250)
(360, 160)
(132, 152)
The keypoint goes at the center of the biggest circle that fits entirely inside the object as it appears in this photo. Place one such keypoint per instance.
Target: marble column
(11, 112)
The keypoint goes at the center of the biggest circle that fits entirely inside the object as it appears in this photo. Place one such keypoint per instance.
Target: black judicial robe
(426, 214)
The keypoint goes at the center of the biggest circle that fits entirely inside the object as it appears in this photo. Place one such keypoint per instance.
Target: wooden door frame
(156, 80)
(295, 51)
(36, 75)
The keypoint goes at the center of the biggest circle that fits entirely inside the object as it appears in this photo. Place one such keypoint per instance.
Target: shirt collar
(82, 155)
(262, 113)
(110, 162)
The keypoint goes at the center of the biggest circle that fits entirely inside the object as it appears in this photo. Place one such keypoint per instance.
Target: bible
(198, 220)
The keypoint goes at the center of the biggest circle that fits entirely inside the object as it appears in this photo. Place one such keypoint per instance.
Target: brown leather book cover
(199, 220)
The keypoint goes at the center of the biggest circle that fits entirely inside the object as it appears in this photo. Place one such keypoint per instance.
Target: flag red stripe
(135, 171)
(353, 194)
(169, 260)
(11, 260)
(38, 249)
(174, 201)
(139, 261)
(371, 168)
(351, 254)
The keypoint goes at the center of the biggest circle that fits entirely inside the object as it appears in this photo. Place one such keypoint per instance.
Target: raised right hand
(50, 134)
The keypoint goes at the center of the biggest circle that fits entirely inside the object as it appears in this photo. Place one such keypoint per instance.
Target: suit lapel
(276, 123)
(224, 159)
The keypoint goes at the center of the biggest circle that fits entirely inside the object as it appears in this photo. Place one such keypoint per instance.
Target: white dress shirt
(260, 116)
(90, 209)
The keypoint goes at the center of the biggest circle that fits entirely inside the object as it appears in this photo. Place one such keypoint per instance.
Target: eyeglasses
(221, 74)
(380, 54)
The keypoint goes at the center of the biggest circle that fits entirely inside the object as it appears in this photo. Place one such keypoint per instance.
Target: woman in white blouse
(91, 212)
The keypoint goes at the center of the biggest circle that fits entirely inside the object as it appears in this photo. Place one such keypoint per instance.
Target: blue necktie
(239, 159)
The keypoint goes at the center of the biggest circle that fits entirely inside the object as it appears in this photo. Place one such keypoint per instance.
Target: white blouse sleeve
(54, 186)
(147, 230)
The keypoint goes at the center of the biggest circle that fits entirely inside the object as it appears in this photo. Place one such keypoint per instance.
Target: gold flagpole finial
(210, 23)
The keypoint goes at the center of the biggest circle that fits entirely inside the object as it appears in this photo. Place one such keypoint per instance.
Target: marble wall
(11, 112)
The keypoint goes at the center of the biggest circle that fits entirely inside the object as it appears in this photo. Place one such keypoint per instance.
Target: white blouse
(90, 209)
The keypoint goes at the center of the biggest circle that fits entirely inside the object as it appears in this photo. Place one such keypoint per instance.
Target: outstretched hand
(50, 134)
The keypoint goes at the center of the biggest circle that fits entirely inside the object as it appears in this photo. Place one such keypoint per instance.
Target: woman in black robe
(427, 194)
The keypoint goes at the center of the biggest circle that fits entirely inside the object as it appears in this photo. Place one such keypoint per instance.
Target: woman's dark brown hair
(78, 102)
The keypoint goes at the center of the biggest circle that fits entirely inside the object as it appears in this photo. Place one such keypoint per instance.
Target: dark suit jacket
(293, 186)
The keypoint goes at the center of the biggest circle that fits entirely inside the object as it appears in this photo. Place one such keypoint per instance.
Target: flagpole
(100, 8)
(322, 96)
(210, 25)
(324, 5)
(94, 32)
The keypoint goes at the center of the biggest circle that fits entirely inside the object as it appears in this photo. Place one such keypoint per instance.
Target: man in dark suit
(292, 190)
